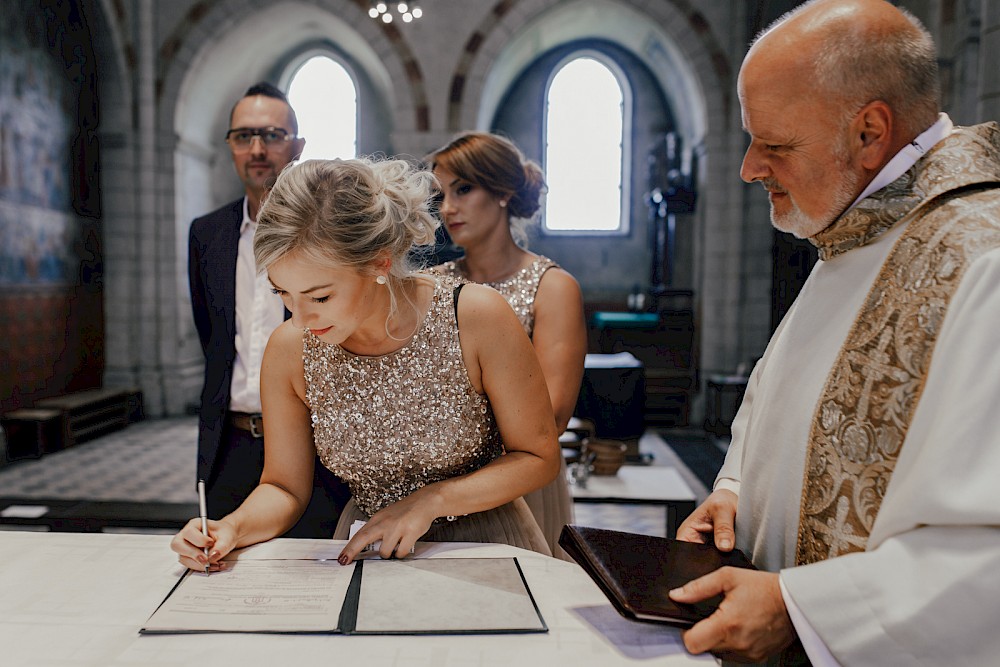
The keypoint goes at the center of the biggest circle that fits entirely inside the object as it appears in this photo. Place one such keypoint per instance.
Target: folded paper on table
(636, 572)
(412, 596)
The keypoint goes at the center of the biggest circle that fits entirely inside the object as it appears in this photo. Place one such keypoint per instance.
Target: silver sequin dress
(551, 505)
(391, 424)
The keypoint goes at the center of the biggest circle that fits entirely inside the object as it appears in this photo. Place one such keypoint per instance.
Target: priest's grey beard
(842, 194)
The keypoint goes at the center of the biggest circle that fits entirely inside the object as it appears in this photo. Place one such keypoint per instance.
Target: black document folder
(637, 571)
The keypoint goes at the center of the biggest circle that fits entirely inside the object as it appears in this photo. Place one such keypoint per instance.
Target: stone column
(989, 74)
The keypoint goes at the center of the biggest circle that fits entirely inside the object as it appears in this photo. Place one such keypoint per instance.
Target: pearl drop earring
(380, 280)
(503, 203)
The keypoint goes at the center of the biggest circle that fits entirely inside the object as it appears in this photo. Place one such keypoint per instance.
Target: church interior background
(112, 114)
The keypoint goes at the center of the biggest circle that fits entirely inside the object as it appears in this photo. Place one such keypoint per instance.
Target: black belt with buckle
(254, 423)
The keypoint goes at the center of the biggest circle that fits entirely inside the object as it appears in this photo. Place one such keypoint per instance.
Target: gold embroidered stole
(873, 389)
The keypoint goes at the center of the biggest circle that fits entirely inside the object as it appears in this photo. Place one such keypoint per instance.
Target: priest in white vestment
(864, 455)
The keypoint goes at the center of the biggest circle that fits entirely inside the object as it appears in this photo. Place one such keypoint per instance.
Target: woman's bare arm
(560, 341)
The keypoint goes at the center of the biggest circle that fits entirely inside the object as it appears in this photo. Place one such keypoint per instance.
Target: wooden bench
(88, 414)
(31, 432)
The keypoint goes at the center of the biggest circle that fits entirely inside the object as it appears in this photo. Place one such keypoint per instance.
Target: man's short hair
(900, 68)
(268, 90)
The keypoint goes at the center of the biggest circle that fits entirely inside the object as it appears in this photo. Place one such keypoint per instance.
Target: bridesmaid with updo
(488, 194)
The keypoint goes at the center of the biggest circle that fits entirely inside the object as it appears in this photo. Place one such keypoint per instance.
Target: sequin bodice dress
(519, 289)
(551, 505)
(391, 424)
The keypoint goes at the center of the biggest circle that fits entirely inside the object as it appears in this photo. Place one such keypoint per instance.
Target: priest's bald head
(829, 94)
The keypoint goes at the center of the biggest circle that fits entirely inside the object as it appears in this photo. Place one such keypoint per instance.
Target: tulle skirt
(510, 524)
(552, 507)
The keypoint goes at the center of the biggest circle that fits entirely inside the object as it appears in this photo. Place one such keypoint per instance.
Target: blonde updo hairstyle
(348, 213)
(495, 164)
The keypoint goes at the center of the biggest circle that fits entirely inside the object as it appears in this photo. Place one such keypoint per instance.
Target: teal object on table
(621, 320)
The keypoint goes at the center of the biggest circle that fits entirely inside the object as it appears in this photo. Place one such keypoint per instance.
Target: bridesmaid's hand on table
(398, 526)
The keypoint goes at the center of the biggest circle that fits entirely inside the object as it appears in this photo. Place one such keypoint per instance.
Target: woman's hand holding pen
(190, 544)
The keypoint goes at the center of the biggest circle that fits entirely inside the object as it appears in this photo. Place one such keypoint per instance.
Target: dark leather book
(637, 571)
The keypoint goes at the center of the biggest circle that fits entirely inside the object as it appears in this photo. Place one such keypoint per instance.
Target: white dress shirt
(258, 312)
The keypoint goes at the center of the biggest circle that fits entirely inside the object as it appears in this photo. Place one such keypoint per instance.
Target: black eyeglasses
(240, 138)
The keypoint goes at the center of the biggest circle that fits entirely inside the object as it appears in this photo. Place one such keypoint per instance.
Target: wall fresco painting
(37, 224)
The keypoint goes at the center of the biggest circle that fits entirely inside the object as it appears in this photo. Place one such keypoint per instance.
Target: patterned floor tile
(154, 461)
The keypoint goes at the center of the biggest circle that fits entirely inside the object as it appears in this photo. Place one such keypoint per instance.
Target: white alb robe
(927, 590)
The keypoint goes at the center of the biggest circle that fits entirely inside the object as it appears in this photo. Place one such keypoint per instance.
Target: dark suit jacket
(212, 246)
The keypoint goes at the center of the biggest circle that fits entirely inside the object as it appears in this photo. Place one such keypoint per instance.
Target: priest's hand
(750, 624)
(713, 521)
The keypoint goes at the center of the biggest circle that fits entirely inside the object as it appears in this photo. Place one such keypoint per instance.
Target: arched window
(586, 112)
(325, 99)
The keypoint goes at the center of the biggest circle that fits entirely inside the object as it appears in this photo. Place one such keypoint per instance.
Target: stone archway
(679, 57)
(202, 67)
(684, 47)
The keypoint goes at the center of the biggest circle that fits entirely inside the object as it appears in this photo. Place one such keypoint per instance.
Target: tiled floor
(154, 461)
(150, 461)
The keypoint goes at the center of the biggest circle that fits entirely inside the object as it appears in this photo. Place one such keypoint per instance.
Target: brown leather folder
(637, 571)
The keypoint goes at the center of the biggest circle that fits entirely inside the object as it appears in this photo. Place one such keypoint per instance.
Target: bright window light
(326, 104)
(583, 152)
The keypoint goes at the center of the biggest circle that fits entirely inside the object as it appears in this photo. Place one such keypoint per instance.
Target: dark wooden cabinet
(665, 343)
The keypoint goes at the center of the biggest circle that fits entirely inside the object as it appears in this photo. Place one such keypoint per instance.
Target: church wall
(214, 54)
(51, 270)
(169, 71)
(606, 266)
(959, 34)
(989, 83)
(727, 317)
(439, 87)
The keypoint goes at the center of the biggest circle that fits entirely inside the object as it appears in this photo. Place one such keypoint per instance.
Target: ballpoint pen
(204, 517)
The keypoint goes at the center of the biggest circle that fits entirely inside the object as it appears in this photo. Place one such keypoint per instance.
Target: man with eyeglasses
(235, 313)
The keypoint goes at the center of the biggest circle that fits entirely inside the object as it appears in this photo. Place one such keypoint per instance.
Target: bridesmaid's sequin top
(519, 289)
(389, 425)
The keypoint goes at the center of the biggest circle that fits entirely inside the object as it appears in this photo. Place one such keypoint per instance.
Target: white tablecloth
(74, 599)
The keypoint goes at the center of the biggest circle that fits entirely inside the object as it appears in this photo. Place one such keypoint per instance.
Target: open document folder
(420, 596)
